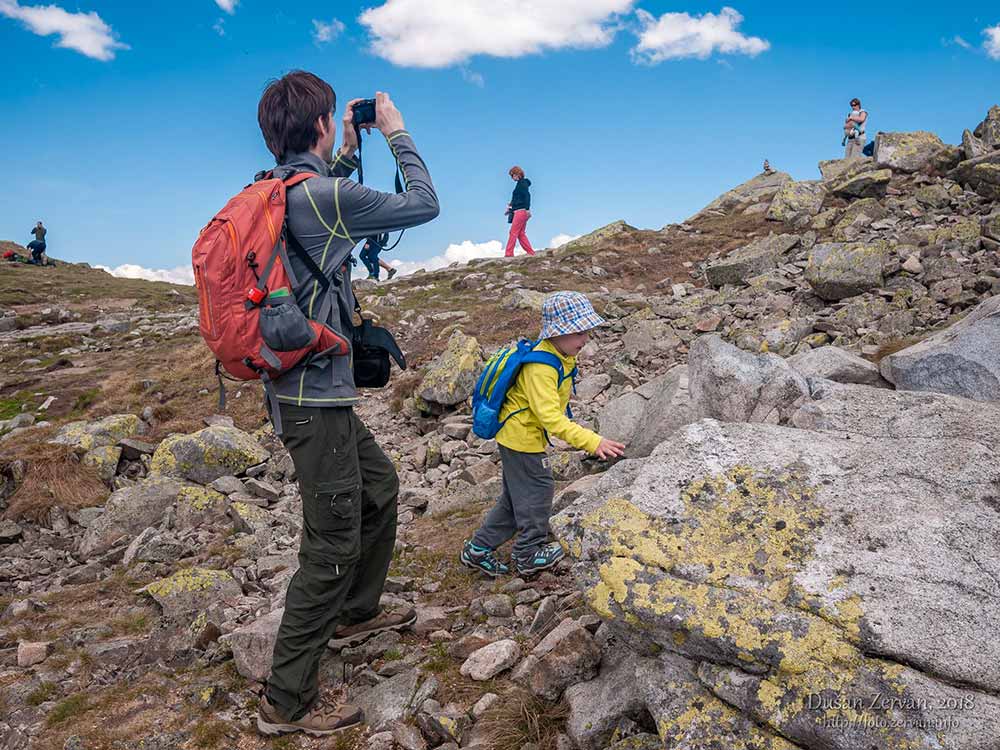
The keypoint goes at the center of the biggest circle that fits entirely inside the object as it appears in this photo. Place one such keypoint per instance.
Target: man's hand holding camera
(387, 119)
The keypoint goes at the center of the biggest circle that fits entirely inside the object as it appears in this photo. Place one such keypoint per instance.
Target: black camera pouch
(372, 347)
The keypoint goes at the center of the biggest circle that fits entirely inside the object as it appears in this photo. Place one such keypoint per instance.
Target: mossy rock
(192, 590)
(906, 152)
(86, 436)
(837, 270)
(104, 460)
(208, 454)
(197, 506)
(450, 378)
(797, 202)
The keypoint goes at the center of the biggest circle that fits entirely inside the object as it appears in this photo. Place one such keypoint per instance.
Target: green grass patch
(85, 400)
(11, 406)
(210, 733)
(42, 693)
(438, 660)
(66, 709)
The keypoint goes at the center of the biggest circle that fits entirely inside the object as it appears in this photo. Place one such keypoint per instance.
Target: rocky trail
(798, 550)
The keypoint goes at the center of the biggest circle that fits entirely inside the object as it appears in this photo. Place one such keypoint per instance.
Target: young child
(536, 405)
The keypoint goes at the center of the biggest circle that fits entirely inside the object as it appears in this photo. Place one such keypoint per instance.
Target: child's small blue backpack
(497, 378)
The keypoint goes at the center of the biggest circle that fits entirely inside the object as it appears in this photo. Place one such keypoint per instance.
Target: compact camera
(364, 112)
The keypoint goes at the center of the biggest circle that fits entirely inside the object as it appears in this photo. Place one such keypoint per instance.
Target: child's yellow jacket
(543, 400)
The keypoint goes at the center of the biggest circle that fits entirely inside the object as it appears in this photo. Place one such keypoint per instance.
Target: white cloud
(439, 33)
(677, 35)
(86, 33)
(219, 27)
(992, 43)
(471, 76)
(179, 275)
(961, 42)
(326, 32)
(561, 239)
(460, 253)
(227, 5)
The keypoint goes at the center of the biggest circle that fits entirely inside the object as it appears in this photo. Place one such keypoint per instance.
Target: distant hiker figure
(518, 213)
(369, 256)
(767, 167)
(854, 130)
(37, 245)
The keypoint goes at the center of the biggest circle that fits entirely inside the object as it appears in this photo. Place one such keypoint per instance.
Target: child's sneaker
(483, 559)
(545, 557)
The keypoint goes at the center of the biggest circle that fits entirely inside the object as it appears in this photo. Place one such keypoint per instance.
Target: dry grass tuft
(522, 718)
(891, 347)
(54, 476)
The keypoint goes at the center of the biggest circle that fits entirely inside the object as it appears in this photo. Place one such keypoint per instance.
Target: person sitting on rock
(37, 245)
(534, 409)
(854, 130)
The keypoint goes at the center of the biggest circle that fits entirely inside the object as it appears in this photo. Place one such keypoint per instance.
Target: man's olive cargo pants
(349, 490)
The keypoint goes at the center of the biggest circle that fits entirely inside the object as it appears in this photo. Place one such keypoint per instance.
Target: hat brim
(585, 323)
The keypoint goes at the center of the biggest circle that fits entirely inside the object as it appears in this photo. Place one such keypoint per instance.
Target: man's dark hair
(288, 110)
(855, 101)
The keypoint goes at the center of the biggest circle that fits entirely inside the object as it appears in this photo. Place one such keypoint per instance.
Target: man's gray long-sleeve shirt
(329, 215)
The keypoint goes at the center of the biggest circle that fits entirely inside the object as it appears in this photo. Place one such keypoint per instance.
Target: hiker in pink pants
(518, 212)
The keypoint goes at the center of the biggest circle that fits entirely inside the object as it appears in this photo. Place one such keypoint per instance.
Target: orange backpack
(248, 314)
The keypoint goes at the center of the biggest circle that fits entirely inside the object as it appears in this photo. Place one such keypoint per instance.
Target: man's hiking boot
(392, 272)
(323, 718)
(387, 619)
(545, 557)
(483, 559)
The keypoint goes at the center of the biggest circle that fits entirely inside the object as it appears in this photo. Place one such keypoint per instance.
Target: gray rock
(450, 378)
(208, 454)
(649, 335)
(86, 436)
(10, 532)
(595, 707)
(153, 545)
(30, 653)
(760, 188)
(389, 701)
(643, 418)
(591, 386)
(963, 360)
(253, 645)
(191, 590)
(751, 260)
(906, 152)
(735, 386)
(864, 185)
(489, 661)
(227, 485)
(838, 270)
(777, 567)
(797, 202)
(525, 299)
(262, 489)
(128, 511)
(565, 656)
(839, 365)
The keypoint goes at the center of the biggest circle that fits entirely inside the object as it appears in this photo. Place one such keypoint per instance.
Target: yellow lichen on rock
(187, 580)
(199, 498)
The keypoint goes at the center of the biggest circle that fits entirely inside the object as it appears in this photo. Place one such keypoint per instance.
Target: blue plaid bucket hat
(568, 312)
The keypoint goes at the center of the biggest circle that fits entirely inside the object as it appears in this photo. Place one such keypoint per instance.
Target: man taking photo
(348, 485)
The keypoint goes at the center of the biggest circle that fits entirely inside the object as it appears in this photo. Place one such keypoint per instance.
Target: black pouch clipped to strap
(373, 345)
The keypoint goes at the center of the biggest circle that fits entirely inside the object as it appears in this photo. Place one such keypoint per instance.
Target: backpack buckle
(256, 295)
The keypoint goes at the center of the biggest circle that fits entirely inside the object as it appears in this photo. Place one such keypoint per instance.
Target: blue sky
(126, 126)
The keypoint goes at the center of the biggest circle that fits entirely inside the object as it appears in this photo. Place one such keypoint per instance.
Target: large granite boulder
(800, 573)
(797, 202)
(730, 384)
(206, 455)
(751, 260)
(128, 511)
(963, 359)
(906, 152)
(645, 417)
(598, 236)
(838, 270)
(450, 378)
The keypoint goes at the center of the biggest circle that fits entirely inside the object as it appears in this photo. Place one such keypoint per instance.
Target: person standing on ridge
(369, 256)
(518, 213)
(854, 130)
(37, 245)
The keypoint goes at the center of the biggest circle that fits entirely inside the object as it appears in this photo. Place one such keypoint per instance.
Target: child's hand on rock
(609, 449)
